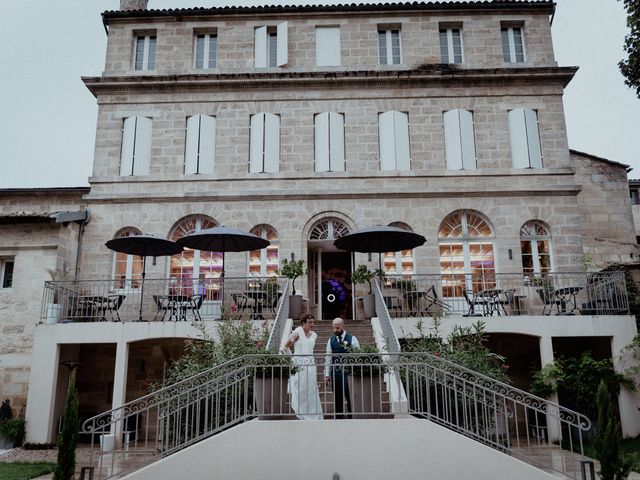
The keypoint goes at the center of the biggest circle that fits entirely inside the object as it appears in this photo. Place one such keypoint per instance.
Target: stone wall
(608, 230)
(358, 35)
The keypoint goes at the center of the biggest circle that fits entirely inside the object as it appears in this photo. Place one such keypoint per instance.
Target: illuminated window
(264, 262)
(535, 243)
(466, 244)
(399, 263)
(127, 269)
(194, 264)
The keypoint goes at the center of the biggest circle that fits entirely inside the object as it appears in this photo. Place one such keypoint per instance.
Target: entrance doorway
(330, 284)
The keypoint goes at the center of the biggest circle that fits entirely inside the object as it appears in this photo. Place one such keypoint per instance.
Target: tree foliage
(606, 442)
(630, 66)
(465, 346)
(575, 378)
(69, 435)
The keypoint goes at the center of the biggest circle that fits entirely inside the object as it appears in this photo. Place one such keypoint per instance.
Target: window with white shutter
(271, 46)
(136, 146)
(459, 140)
(450, 45)
(389, 47)
(395, 151)
(200, 145)
(264, 149)
(206, 50)
(144, 57)
(327, 46)
(513, 45)
(524, 134)
(329, 142)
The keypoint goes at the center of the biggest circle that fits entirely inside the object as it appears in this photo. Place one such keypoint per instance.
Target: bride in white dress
(303, 385)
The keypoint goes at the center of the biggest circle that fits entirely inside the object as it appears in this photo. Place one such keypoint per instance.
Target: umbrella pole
(380, 268)
(144, 267)
(222, 276)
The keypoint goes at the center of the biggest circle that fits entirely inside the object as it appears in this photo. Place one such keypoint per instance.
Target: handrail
(393, 344)
(282, 314)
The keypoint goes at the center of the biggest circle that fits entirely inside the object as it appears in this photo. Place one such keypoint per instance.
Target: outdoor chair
(603, 300)
(472, 302)
(508, 299)
(114, 302)
(195, 303)
(549, 300)
(434, 306)
(162, 305)
(243, 302)
(273, 302)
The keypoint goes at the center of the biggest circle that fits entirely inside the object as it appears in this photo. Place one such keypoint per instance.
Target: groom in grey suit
(339, 342)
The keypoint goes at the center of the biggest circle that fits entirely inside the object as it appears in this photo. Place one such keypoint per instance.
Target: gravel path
(20, 455)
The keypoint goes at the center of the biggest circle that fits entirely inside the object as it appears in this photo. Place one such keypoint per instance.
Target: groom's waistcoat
(339, 347)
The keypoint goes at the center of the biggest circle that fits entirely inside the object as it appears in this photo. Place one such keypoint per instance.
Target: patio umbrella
(223, 239)
(145, 246)
(379, 239)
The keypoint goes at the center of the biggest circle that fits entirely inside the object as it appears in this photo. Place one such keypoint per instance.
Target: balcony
(499, 294)
(168, 299)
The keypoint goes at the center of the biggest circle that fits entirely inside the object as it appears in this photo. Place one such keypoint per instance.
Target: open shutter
(128, 142)
(142, 152)
(467, 140)
(192, 144)
(518, 138)
(271, 143)
(336, 142)
(207, 143)
(533, 138)
(387, 142)
(256, 147)
(403, 152)
(260, 53)
(452, 143)
(322, 142)
(283, 44)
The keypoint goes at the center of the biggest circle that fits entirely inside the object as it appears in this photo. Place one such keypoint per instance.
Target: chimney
(133, 4)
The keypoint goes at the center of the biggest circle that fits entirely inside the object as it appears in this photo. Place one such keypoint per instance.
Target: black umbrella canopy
(223, 239)
(144, 245)
(380, 239)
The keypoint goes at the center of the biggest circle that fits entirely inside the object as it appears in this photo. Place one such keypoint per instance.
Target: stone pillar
(120, 386)
(133, 4)
(546, 357)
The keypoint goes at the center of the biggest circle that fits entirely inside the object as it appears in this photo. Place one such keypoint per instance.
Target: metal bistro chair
(474, 301)
(162, 305)
(243, 302)
(433, 302)
(114, 302)
(549, 300)
(195, 303)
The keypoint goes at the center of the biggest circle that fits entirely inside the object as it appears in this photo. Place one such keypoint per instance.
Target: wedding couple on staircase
(303, 385)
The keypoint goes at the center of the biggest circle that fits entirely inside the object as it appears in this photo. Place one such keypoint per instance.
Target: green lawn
(24, 470)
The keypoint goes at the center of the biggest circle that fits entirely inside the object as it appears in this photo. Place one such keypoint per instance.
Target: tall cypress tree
(68, 437)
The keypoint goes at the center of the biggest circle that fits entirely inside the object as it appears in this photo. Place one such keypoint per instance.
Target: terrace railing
(493, 294)
(166, 299)
(261, 386)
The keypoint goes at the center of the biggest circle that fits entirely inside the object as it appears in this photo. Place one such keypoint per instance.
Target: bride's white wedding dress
(303, 385)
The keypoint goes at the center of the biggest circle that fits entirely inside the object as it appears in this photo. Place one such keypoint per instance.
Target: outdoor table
(258, 296)
(177, 305)
(567, 298)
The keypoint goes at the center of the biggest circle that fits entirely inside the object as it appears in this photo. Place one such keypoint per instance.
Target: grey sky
(47, 126)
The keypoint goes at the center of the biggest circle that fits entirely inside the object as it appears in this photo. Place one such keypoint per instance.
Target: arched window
(399, 263)
(329, 229)
(466, 244)
(194, 264)
(264, 262)
(535, 244)
(127, 269)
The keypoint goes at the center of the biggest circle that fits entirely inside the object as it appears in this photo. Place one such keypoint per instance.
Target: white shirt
(327, 359)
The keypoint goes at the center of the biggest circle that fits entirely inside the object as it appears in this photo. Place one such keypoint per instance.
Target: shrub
(68, 437)
(13, 430)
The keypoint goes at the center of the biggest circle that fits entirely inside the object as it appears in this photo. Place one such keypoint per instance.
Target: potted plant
(366, 377)
(13, 430)
(53, 305)
(361, 275)
(292, 270)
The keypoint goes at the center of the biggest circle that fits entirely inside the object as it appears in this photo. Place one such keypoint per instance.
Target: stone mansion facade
(302, 124)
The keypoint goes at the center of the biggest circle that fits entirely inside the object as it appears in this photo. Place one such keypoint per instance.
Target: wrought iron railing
(167, 299)
(494, 294)
(272, 386)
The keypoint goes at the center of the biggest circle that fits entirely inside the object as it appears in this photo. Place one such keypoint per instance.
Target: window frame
(531, 162)
(333, 162)
(395, 141)
(264, 140)
(388, 38)
(263, 252)
(451, 56)
(4, 261)
(465, 163)
(138, 142)
(130, 281)
(206, 51)
(210, 169)
(144, 65)
(265, 37)
(513, 55)
(535, 253)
